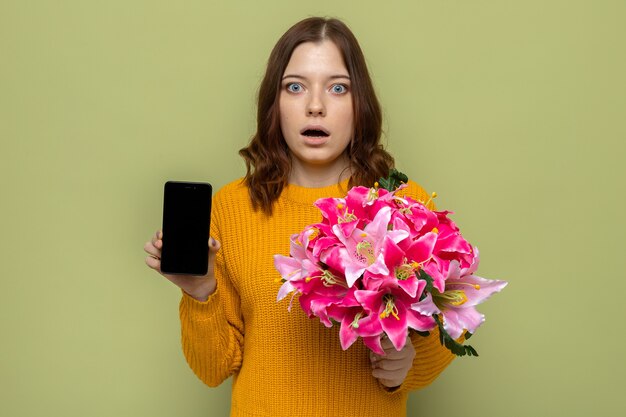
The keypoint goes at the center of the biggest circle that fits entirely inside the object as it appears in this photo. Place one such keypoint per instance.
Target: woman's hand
(199, 287)
(392, 369)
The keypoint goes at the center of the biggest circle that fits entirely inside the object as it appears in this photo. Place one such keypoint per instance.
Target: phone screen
(186, 222)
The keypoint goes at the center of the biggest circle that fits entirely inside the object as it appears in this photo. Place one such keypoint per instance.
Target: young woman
(318, 133)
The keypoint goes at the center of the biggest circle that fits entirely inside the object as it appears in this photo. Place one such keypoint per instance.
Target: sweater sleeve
(212, 331)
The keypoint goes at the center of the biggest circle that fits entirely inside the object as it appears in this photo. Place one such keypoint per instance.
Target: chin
(320, 161)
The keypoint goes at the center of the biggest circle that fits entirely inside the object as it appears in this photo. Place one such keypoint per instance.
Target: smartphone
(186, 224)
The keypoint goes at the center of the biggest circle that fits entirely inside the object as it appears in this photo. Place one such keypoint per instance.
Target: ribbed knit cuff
(200, 310)
(391, 390)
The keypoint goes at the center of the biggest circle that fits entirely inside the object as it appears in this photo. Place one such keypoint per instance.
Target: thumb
(214, 245)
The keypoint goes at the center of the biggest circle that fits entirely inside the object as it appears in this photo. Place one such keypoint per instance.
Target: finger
(388, 365)
(389, 378)
(390, 352)
(214, 245)
(374, 359)
(152, 250)
(395, 354)
(157, 239)
(389, 348)
(390, 384)
(153, 263)
(386, 344)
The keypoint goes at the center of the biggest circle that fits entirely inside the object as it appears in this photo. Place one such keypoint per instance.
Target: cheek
(283, 111)
(348, 114)
(285, 121)
(348, 121)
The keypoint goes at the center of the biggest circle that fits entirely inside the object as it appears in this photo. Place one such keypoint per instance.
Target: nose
(315, 106)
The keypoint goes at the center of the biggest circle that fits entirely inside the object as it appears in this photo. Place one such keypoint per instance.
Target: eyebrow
(332, 77)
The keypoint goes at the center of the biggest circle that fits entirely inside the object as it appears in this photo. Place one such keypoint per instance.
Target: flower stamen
(432, 196)
(314, 233)
(390, 307)
(475, 286)
(406, 270)
(372, 194)
(365, 252)
(452, 297)
(329, 279)
(346, 217)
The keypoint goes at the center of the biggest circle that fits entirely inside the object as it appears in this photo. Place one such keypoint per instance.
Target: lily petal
(347, 335)
(396, 329)
(427, 307)
(478, 290)
(409, 285)
(455, 320)
(288, 268)
(285, 289)
(422, 248)
(420, 322)
(373, 343)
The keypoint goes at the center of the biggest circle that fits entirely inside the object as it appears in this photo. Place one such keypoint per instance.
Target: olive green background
(513, 111)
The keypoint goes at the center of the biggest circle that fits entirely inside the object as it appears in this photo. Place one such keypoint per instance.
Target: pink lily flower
(355, 323)
(418, 218)
(393, 307)
(320, 292)
(402, 265)
(362, 249)
(365, 202)
(299, 265)
(449, 246)
(437, 268)
(354, 320)
(450, 243)
(457, 303)
(374, 197)
(360, 267)
(336, 212)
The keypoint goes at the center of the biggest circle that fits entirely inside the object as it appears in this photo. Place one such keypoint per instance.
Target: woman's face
(316, 114)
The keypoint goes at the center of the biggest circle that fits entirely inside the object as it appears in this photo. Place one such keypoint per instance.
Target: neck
(317, 176)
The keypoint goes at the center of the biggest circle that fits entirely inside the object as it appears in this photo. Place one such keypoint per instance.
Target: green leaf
(393, 181)
(452, 345)
(429, 282)
(471, 351)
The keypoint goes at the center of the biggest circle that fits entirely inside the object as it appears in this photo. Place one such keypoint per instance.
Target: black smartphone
(186, 224)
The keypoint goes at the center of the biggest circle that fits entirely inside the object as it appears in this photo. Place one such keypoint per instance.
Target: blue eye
(294, 87)
(339, 89)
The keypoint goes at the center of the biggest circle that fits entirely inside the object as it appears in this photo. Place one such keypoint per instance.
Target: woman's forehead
(314, 60)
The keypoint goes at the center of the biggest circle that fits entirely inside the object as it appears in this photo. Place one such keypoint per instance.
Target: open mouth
(315, 133)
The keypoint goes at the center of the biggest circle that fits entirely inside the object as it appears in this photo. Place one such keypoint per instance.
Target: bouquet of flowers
(379, 264)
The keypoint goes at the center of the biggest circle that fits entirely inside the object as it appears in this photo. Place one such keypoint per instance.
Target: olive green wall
(513, 111)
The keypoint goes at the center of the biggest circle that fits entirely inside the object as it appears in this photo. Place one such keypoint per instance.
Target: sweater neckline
(308, 196)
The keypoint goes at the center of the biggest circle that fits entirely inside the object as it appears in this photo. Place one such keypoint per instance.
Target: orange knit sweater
(283, 363)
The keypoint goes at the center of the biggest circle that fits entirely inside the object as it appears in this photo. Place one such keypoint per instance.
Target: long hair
(267, 157)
